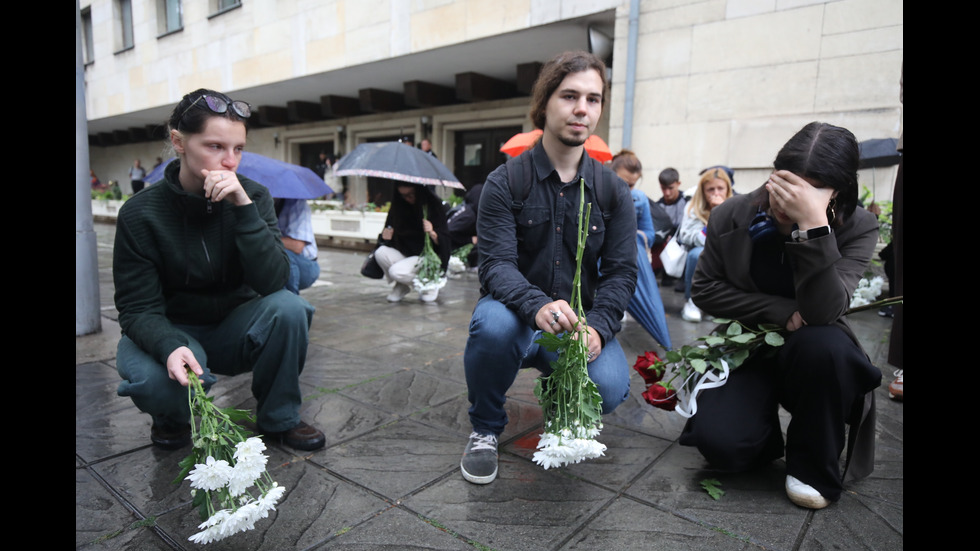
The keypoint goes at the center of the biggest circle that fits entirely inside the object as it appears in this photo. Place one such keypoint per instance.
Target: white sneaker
(804, 495)
(429, 297)
(398, 292)
(691, 312)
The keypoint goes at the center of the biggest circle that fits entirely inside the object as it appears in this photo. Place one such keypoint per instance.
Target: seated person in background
(713, 189)
(296, 226)
(404, 237)
(674, 204)
(462, 224)
(627, 166)
(728, 171)
(199, 272)
(791, 253)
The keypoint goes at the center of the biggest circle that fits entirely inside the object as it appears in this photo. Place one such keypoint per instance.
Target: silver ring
(553, 323)
(555, 315)
(591, 355)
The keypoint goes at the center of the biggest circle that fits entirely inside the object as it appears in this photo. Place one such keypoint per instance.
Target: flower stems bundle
(429, 274)
(569, 399)
(222, 467)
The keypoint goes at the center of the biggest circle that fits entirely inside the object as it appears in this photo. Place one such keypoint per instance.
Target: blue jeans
(266, 335)
(500, 344)
(692, 263)
(302, 272)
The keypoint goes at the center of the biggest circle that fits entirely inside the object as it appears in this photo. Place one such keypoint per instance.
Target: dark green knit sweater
(174, 262)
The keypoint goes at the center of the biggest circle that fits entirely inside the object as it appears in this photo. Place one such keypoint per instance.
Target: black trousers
(820, 376)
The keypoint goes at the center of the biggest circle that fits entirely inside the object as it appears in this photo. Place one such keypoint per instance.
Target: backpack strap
(605, 189)
(520, 185)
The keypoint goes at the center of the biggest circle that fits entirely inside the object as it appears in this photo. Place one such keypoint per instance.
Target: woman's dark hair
(192, 113)
(828, 154)
(555, 71)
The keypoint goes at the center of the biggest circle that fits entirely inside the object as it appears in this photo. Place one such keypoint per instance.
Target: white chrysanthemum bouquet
(226, 470)
(569, 399)
(867, 291)
(457, 262)
(429, 275)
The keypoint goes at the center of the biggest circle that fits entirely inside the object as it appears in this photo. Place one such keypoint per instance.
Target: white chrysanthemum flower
(240, 481)
(211, 475)
(250, 465)
(212, 528)
(456, 265)
(556, 450)
(546, 460)
(273, 496)
(429, 285)
(253, 447)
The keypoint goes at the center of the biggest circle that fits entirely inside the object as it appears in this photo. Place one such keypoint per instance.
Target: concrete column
(87, 300)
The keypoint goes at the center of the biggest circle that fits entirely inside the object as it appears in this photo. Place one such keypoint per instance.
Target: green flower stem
(877, 304)
(571, 400)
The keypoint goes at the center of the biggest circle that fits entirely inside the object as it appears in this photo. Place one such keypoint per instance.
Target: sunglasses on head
(218, 105)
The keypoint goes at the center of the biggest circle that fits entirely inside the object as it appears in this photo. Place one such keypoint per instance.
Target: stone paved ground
(385, 383)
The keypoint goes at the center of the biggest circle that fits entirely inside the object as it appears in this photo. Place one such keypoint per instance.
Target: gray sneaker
(479, 463)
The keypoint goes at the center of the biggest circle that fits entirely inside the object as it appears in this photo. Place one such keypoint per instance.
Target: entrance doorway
(478, 153)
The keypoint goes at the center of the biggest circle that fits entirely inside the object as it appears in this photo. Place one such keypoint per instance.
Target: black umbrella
(396, 161)
(878, 152)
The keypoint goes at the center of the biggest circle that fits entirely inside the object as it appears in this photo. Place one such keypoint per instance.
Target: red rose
(660, 396)
(650, 367)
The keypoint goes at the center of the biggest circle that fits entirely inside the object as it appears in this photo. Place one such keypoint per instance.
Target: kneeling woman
(404, 238)
(790, 254)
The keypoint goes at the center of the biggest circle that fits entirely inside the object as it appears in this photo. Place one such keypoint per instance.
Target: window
(220, 6)
(124, 24)
(169, 16)
(88, 52)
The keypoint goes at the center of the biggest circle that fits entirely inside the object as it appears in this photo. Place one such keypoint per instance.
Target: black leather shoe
(301, 437)
(171, 439)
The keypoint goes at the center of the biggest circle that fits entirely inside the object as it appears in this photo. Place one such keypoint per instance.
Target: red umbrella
(594, 146)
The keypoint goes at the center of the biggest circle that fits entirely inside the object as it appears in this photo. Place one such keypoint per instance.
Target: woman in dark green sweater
(199, 270)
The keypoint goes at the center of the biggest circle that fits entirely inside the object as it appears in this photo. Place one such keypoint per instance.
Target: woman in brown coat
(790, 254)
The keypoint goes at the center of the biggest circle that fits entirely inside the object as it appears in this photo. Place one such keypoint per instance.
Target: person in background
(136, 175)
(462, 224)
(199, 272)
(791, 254)
(674, 203)
(628, 167)
(404, 238)
(296, 227)
(426, 146)
(713, 189)
(321, 165)
(97, 185)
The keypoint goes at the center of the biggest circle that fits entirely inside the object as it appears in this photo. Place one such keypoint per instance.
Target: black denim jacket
(527, 258)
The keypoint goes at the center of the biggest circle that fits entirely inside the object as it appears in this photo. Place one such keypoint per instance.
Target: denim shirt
(644, 222)
(528, 260)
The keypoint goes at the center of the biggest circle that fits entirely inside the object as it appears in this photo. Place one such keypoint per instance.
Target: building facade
(694, 83)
